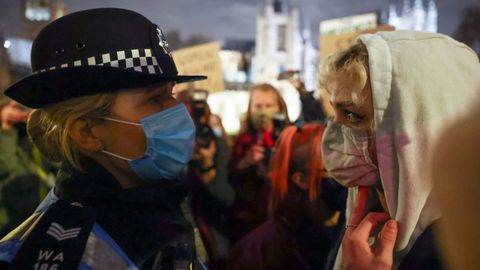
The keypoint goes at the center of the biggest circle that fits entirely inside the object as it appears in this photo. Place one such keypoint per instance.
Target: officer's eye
(157, 98)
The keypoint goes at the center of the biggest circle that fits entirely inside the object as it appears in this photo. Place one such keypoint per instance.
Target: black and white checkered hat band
(140, 60)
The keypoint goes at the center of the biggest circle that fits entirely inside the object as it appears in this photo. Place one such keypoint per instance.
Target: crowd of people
(103, 165)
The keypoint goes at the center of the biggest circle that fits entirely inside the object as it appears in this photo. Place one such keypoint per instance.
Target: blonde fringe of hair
(353, 63)
(48, 127)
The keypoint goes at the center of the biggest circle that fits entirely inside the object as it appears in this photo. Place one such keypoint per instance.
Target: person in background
(311, 111)
(212, 193)
(218, 128)
(25, 176)
(102, 87)
(263, 122)
(304, 208)
(456, 174)
(392, 92)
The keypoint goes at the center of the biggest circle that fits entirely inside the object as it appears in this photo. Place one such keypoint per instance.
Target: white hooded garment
(420, 82)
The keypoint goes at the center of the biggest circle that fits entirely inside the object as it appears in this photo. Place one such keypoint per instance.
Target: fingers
(20, 116)
(369, 223)
(209, 150)
(258, 148)
(14, 115)
(212, 146)
(386, 244)
(202, 153)
(258, 157)
(196, 155)
(358, 251)
(258, 153)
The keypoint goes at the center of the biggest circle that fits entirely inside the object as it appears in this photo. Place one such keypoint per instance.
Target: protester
(392, 92)
(265, 118)
(453, 158)
(25, 177)
(102, 82)
(304, 208)
(212, 192)
(311, 111)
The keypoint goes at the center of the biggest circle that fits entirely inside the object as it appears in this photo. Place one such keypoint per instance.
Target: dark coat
(145, 223)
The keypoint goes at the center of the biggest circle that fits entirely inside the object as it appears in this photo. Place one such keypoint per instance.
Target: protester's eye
(353, 117)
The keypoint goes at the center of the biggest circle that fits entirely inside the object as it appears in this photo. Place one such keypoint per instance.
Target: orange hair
(297, 149)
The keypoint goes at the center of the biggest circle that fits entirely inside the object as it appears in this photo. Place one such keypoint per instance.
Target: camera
(200, 112)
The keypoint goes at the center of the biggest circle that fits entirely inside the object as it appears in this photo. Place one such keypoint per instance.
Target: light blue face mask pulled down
(218, 132)
(170, 140)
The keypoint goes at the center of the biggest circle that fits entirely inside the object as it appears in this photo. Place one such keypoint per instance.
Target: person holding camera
(25, 177)
(264, 120)
(311, 111)
(212, 193)
(304, 206)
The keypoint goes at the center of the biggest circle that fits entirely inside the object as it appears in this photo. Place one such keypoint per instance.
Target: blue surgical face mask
(170, 141)
(218, 132)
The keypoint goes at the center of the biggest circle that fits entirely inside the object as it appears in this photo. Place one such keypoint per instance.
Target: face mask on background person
(346, 157)
(261, 119)
(217, 131)
(170, 140)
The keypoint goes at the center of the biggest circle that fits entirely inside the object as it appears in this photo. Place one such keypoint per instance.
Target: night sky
(221, 19)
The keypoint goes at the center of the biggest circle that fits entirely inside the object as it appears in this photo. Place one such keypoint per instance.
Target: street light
(6, 44)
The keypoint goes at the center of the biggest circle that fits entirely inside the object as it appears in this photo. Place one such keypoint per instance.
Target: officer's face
(132, 105)
(126, 140)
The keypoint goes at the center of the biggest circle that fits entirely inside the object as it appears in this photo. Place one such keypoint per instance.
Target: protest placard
(200, 60)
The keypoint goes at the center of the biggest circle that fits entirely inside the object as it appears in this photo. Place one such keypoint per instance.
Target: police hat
(93, 51)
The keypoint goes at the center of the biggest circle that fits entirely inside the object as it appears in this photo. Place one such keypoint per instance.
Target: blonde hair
(353, 63)
(48, 127)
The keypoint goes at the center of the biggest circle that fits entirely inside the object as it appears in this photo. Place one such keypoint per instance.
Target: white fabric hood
(420, 82)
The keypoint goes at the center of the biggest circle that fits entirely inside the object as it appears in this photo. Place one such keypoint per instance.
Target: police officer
(102, 88)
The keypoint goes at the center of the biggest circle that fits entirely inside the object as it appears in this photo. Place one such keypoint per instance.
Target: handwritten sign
(200, 60)
(331, 44)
